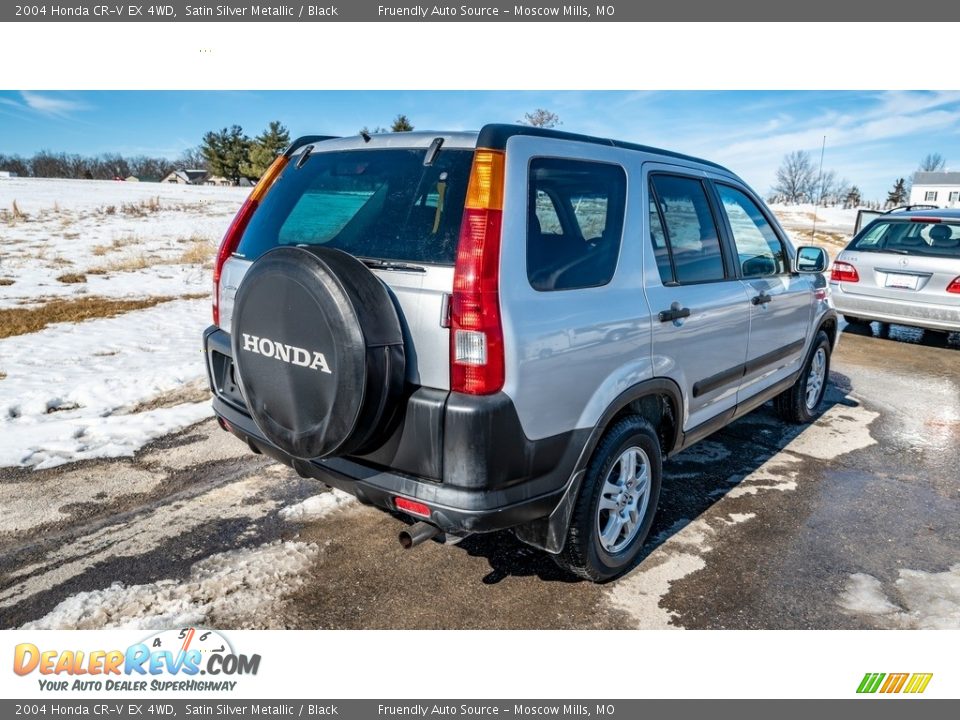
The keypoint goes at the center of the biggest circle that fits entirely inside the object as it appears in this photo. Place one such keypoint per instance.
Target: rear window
(382, 204)
(905, 237)
(574, 223)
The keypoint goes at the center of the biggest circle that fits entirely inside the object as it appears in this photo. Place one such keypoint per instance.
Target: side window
(760, 252)
(689, 229)
(660, 250)
(574, 223)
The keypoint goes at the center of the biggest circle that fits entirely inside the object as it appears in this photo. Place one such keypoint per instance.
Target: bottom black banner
(874, 708)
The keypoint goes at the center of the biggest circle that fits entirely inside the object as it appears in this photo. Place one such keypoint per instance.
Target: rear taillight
(844, 272)
(954, 286)
(476, 333)
(231, 239)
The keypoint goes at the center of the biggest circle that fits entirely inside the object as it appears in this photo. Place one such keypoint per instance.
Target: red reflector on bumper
(412, 507)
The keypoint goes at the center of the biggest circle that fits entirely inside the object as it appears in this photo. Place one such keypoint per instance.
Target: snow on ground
(103, 387)
(70, 387)
(921, 600)
(317, 507)
(226, 590)
(128, 239)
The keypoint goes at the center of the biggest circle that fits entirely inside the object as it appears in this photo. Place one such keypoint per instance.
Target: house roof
(937, 178)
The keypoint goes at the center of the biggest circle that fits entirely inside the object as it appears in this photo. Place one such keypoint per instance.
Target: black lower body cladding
(465, 456)
(319, 351)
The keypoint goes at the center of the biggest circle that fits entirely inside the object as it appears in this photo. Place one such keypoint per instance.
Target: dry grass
(128, 263)
(14, 215)
(199, 253)
(117, 244)
(2, 374)
(20, 321)
(142, 208)
(73, 278)
(4, 282)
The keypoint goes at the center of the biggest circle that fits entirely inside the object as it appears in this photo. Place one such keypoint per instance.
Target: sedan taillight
(954, 286)
(844, 272)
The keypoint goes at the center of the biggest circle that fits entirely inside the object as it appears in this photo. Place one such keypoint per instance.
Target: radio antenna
(816, 203)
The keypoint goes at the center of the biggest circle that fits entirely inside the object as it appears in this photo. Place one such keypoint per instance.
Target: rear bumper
(902, 312)
(465, 457)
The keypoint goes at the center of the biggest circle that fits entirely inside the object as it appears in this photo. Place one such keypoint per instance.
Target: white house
(7, 174)
(936, 188)
(186, 177)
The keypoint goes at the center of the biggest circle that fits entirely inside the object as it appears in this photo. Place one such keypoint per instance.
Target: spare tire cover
(319, 353)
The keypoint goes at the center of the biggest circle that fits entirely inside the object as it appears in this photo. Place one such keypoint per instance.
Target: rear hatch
(396, 202)
(915, 259)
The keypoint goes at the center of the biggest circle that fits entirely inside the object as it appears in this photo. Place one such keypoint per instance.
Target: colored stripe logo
(887, 683)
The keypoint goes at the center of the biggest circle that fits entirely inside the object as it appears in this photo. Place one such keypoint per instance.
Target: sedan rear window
(382, 204)
(906, 237)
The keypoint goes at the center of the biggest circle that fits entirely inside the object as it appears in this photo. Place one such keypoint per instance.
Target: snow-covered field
(104, 386)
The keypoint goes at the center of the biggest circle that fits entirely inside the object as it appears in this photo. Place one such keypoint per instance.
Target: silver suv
(508, 329)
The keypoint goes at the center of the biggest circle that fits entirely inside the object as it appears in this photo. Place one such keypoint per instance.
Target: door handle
(761, 299)
(674, 313)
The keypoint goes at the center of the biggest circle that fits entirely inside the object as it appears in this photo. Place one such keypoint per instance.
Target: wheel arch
(660, 401)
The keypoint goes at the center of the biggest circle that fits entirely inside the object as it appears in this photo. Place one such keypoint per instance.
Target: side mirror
(759, 266)
(811, 259)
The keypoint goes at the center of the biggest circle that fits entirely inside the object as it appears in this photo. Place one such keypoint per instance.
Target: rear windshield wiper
(391, 265)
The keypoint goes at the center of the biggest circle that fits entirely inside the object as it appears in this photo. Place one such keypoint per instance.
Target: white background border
(700, 56)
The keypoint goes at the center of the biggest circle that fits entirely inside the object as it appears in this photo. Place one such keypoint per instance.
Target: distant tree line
(228, 152)
(107, 166)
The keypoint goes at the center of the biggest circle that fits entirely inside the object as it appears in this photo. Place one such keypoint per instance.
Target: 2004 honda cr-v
(509, 328)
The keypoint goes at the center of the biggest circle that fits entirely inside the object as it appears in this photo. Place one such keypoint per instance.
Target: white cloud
(49, 105)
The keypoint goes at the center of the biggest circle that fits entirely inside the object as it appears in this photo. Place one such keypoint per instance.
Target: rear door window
(574, 223)
(689, 229)
(382, 204)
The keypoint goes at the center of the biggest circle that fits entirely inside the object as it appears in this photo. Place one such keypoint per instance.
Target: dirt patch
(20, 321)
(192, 392)
(4, 282)
(73, 278)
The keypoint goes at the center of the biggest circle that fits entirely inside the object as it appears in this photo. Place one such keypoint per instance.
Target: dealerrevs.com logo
(892, 683)
(188, 659)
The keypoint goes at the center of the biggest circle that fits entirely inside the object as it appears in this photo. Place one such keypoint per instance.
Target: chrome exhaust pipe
(417, 533)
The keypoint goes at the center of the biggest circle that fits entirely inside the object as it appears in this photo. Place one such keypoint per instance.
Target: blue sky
(872, 137)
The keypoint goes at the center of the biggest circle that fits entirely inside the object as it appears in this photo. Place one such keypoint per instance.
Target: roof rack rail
(305, 140)
(908, 208)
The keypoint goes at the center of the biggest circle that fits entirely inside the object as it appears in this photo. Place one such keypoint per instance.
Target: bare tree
(796, 179)
(191, 159)
(932, 162)
(541, 118)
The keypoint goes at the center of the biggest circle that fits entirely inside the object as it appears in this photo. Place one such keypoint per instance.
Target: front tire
(801, 403)
(617, 502)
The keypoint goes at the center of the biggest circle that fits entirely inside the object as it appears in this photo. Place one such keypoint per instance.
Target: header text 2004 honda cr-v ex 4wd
(508, 329)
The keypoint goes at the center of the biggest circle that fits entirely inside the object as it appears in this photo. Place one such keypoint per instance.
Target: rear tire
(617, 502)
(801, 403)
